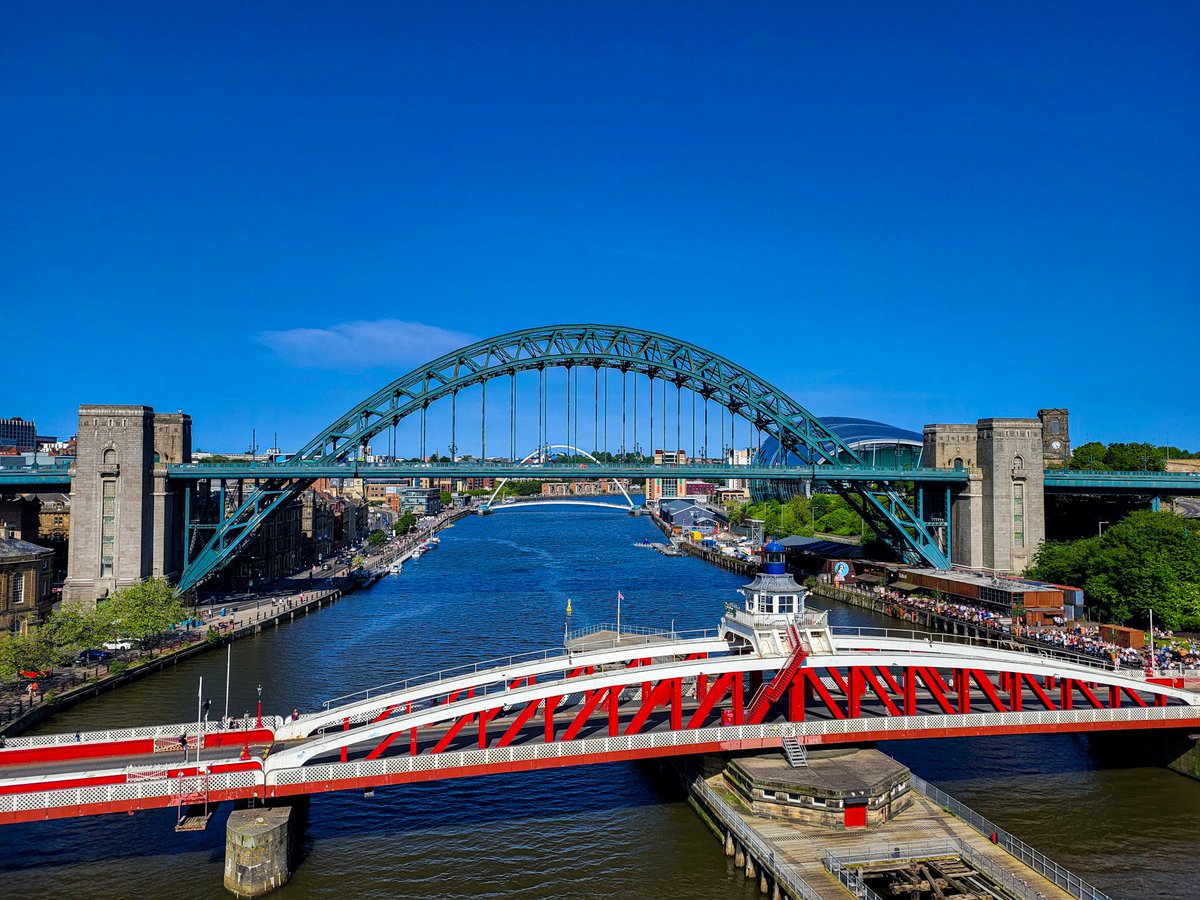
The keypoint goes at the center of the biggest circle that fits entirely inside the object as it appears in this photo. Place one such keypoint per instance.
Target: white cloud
(364, 345)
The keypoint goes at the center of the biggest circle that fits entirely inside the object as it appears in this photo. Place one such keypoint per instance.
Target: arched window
(1055, 426)
(1018, 464)
(958, 463)
(110, 457)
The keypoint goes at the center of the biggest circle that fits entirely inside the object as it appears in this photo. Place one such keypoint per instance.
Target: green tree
(71, 628)
(405, 523)
(1147, 561)
(376, 537)
(1089, 456)
(23, 652)
(140, 611)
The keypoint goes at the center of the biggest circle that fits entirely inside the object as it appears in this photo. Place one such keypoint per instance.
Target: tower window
(1055, 426)
(110, 457)
(1018, 464)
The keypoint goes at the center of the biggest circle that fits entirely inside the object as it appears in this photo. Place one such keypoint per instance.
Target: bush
(118, 667)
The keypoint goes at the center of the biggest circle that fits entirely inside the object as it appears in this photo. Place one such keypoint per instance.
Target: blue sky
(260, 213)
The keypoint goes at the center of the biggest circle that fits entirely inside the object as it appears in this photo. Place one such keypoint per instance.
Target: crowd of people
(1171, 653)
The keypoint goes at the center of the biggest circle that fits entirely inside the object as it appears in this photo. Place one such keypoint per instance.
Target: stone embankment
(244, 619)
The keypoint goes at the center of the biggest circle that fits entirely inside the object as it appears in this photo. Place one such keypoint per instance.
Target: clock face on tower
(1056, 445)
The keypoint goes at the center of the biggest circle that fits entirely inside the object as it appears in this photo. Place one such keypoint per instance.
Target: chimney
(5, 531)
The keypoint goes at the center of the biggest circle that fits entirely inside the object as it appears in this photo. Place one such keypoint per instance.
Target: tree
(1089, 456)
(1147, 561)
(405, 523)
(21, 653)
(71, 628)
(376, 537)
(140, 611)
(445, 498)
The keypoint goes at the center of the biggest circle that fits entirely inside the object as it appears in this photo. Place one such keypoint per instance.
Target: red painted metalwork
(522, 718)
(590, 703)
(387, 712)
(709, 697)
(452, 733)
(548, 707)
(659, 694)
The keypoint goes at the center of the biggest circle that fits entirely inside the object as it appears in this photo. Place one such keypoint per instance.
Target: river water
(499, 585)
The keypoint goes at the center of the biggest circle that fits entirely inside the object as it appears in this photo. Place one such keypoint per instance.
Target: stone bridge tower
(998, 519)
(126, 517)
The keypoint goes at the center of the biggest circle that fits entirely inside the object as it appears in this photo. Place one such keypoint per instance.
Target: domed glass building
(878, 443)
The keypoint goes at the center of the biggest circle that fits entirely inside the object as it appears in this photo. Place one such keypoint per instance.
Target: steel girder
(566, 346)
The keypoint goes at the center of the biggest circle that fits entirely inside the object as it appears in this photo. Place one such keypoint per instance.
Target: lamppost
(258, 722)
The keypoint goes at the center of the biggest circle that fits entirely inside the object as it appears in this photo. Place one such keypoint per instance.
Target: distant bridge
(558, 501)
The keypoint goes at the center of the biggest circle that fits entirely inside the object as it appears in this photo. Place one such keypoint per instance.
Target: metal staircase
(771, 691)
(797, 755)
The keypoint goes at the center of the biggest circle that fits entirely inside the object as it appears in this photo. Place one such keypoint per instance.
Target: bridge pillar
(260, 847)
(126, 518)
(998, 519)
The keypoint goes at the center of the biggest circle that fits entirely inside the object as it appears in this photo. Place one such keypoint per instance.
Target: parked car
(92, 656)
(122, 644)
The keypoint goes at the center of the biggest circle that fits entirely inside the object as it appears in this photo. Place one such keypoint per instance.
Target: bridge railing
(845, 866)
(126, 734)
(498, 665)
(781, 870)
(1036, 860)
(999, 643)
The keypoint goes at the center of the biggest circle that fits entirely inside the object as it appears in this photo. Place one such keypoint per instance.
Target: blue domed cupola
(773, 595)
(773, 554)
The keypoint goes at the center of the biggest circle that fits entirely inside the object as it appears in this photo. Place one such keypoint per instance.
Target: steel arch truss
(658, 356)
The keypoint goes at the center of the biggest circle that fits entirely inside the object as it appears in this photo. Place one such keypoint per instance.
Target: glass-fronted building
(879, 444)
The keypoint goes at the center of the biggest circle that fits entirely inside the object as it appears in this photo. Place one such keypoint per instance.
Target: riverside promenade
(242, 617)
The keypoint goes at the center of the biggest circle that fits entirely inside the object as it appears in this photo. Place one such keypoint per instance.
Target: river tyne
(499, 585)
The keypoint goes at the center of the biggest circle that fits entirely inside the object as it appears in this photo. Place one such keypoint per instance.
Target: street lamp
(258, 723)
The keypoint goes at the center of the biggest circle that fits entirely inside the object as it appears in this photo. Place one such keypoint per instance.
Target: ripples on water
(499, 585)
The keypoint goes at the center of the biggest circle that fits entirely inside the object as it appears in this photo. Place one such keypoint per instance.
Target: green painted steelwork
(657, 356)
(34, 475)
(1166, 483)
(474, 469)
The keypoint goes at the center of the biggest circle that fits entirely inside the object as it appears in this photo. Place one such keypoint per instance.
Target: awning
(869, 579)
(906, 586)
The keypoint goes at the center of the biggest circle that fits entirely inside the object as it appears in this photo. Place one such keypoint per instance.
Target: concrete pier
(786, 855)
(260, 848)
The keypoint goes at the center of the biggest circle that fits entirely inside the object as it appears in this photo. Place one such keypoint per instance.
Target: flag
(620, 596)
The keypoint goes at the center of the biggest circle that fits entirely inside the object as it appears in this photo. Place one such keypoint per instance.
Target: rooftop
(13, 548)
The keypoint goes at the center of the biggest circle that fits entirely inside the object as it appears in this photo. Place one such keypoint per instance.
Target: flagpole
(618, 615)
